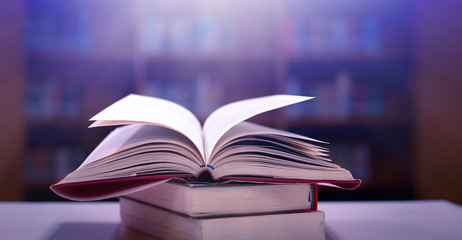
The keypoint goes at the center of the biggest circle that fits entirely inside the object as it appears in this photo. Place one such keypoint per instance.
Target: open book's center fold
(227, 116)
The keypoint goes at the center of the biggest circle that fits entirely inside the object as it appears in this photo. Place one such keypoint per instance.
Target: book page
(134, 109)
(227, 116)
(248, 128)
(140, 135)
(269, 146)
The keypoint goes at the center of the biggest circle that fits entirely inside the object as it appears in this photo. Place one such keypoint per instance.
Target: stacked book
(182, 210)
(261, 181)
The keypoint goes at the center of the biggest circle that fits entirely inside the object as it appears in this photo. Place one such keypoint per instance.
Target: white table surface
(435, 219)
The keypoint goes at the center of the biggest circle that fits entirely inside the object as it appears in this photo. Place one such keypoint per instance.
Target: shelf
(347, 123)
(347, 57)
(347, 8)
(273, 56)
(218, 56)
(79, 56)
(35, 123)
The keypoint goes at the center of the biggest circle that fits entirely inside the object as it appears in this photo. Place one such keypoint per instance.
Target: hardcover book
(162, 140)
(165, 224)
(205, 199)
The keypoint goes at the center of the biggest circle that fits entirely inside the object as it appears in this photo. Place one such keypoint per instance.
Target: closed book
(165, 224)
(202, 199)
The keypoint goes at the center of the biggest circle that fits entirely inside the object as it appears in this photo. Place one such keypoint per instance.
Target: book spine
(314, 205)
(313, 198)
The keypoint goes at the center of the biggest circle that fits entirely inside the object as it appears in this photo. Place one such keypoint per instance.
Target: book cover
(205, 199)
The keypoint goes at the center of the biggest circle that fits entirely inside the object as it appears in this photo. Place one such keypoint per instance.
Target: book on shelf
(339, 99)
(339, 36)
(165, 224)
(204, 199)
(163, 140)
(44, 164)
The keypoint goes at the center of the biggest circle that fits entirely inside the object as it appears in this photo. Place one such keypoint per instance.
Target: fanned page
(150, 110)
(227, 116)
(137, 141)
(259, 151)
(251, 129)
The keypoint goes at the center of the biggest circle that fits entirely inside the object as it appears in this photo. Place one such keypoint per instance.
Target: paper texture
(134, 136)
(227, 116)
(150, 110)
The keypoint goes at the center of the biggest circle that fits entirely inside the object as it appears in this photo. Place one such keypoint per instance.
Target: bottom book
(164, 224)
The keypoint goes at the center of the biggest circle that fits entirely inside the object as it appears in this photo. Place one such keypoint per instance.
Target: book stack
(182, 210)
(162, 142)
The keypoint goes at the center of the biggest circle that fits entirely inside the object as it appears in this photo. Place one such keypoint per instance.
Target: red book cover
(103, 189)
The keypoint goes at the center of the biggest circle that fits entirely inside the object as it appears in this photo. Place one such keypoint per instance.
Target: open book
(163, 140)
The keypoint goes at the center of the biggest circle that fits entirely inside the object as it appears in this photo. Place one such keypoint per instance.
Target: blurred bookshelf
(353, 56)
